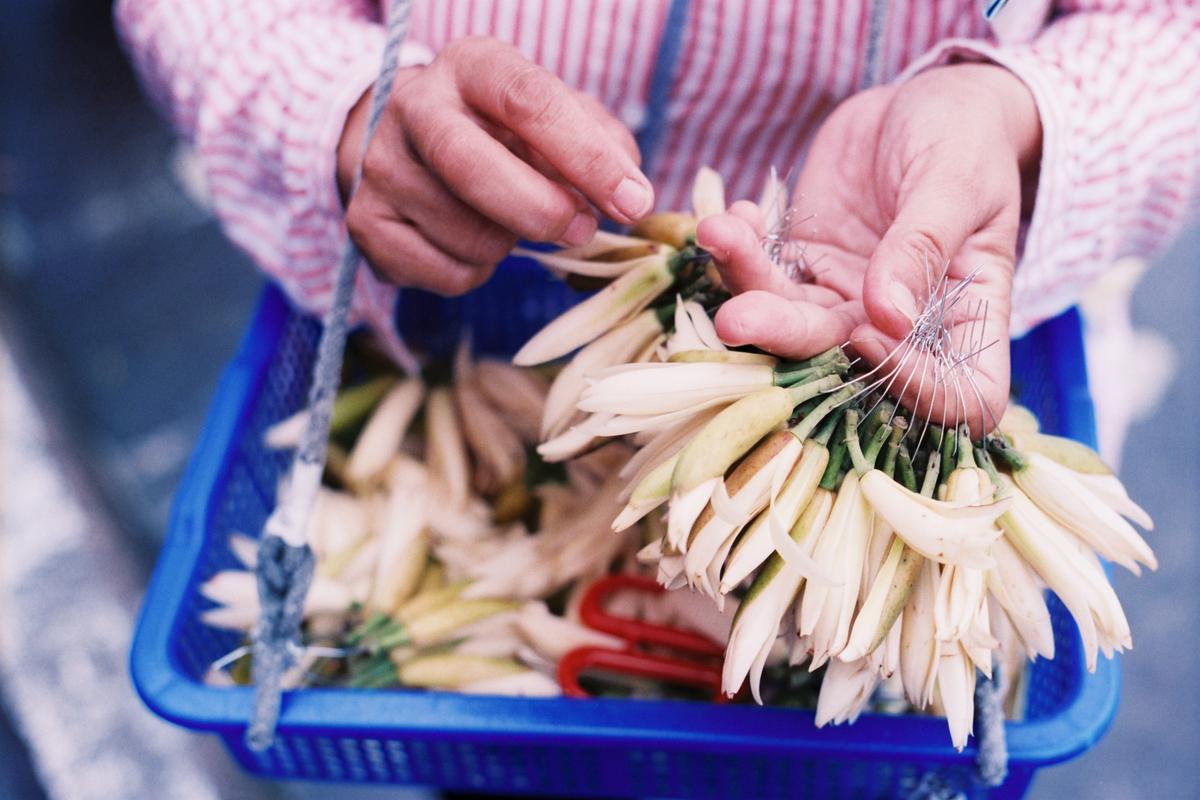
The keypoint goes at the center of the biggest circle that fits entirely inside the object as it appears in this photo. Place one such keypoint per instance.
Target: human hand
(474, 150)
(903, 182)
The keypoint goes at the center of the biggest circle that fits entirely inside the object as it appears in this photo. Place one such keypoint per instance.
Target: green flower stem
(932, 472)
(875, 444)
(804, 428)
(354, 403)
(949, 443)
(837, 455)
(864, 460)
(806, 391)
(1006, 453)
(989, 466)
(367, 627)
(787, 378)
(966, 448)
(904, 467)
(825, 431)
(394, 635)
(833, 354)
(665, 315)
(375, 674)
(900, 427)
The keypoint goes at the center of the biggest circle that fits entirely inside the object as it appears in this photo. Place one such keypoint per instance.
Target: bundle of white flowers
(878, 545)
(439, 540)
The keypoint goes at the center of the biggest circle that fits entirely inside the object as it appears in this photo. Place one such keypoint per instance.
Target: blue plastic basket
(577, 748)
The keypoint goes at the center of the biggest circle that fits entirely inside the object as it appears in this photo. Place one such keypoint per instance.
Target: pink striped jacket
(262, 88)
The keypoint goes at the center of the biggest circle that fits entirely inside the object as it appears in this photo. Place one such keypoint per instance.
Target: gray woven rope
(285, 561)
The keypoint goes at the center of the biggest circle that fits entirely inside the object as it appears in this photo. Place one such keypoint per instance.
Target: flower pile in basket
(895, 552)
(842, 551)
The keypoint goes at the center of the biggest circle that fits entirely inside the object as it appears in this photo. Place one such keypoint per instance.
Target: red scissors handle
(591, 611)
(644, 665)
(703, 670)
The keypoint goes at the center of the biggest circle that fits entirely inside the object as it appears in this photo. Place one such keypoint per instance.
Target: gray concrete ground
(131, 302)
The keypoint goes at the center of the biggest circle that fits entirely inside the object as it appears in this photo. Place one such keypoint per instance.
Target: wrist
(1019, 110)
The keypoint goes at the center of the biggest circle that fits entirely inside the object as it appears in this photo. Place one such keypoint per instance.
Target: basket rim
(173, 695)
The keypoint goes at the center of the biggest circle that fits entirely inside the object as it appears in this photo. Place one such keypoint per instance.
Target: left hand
(902, 182)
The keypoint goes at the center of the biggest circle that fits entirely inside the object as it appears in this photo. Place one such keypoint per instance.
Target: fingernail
(580, 231)
(631, 198)
(904, 301)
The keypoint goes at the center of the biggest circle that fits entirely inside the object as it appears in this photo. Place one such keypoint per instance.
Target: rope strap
(285, 561)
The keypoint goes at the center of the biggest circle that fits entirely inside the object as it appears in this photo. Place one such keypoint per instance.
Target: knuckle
(548, 225)
(447, 149)
(597, 169)
(492, 247)
(926, 245)
(460, 278)
(360, 225)
(526, 97)
(375, 167)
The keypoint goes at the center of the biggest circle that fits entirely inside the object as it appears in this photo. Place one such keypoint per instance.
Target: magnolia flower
(384, 431)
(757, 543)
(756, 623)
(617, 346)
(866, 633)
(1057, 490)
(845, 690)
(1087, 468)
(445, 451)
(920, 650)
(938, 530)
(736, 500)
(403, 545)
(1017, 590)
(1077, 579)
(498, 450)
(1110, 491)
(236, 594)
(529, 683)
(694, 331)
(956, 693)
(827, 610)
(452, 670)
(615, 303)
(1017, 418)
(651, 389)
(654, 397)
(244, 549)
(518, 394)
(731, 434)
(448, 621)
(657, 446)
(339, 522)
(351, 405)
(962, 589)
(708, 193)
(552, 637)
(605, 255)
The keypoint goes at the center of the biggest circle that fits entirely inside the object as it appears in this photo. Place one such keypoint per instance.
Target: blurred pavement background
(120, 302)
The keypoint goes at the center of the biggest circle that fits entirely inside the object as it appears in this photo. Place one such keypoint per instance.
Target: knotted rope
(285, 561)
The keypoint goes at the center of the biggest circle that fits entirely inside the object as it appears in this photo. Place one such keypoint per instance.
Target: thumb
(931, 225)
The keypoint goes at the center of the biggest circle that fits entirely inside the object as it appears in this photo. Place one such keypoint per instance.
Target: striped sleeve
(1117, 85)
(262, 91)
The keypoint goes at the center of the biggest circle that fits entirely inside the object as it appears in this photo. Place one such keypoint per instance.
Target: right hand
(475, 150)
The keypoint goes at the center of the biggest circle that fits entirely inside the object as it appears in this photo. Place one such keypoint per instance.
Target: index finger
(500, 83)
